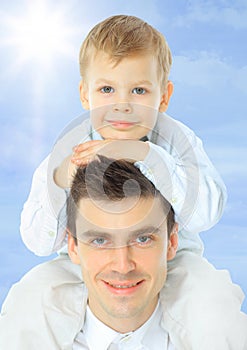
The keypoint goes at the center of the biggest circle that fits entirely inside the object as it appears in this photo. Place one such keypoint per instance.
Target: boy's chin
(115, 134)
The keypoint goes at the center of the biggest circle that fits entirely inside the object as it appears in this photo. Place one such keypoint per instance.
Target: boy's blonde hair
(122, 36)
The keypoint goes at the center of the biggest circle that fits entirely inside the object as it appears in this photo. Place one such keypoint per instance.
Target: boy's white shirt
(175, 153)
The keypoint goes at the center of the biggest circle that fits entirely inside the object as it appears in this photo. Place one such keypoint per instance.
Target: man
(124, 235)
(121, 233)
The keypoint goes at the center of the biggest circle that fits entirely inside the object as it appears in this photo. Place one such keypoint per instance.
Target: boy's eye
(107, 89)
(139, 91)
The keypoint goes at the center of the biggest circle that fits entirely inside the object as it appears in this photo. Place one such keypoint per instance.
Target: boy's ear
(84, 94)
(73, 249)
(172, 243)
(166, 97)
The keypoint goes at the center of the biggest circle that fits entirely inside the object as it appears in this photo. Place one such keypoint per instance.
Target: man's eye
(142, 240)
(139, 91)
(100, 241)
(107, 89)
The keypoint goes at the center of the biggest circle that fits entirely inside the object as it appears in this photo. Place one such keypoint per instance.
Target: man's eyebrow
(143, 230)
(95, 233)
(146, 229)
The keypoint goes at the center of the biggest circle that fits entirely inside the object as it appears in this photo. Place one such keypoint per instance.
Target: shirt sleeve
(38, 218)
(180, 169)
(43, 218)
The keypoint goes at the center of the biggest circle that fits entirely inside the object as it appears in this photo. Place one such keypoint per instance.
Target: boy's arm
(40, 230)
(179, 162)
(39, 224)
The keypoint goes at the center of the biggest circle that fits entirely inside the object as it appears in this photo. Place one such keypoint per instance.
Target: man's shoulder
(44, 278)
(50, 297)
(45, 283)
(54, 271)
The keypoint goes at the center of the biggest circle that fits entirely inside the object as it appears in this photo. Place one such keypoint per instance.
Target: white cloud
(22, 146)
(147, 10)
(208, 70)
(233, 129)
(229, 159)
(224, 12)
(241, 79)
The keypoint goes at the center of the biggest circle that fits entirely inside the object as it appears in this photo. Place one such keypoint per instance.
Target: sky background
(39, 75)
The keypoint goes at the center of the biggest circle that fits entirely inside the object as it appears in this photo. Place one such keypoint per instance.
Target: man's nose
(123, 107)
(122, 260)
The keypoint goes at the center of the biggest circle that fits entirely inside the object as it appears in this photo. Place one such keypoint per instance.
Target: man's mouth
(123, 286)
(127, 288)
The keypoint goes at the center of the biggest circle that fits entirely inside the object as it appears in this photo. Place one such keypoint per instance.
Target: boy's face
(124, 98)
(123, 251)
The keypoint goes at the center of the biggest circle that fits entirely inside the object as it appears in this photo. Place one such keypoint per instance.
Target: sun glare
(39, 34)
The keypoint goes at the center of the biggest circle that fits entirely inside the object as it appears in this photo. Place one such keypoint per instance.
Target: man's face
(124, 98)
(123, 251)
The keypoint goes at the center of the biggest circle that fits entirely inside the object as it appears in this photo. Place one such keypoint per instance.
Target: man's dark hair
(108, 179)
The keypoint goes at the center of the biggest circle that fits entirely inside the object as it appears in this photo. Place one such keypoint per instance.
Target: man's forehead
(129, 213)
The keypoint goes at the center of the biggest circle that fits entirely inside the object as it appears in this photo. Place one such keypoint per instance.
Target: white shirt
(54, 300)
(194, 189)
(150, 336)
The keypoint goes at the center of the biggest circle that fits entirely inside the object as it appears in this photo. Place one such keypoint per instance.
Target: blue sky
(39, 96)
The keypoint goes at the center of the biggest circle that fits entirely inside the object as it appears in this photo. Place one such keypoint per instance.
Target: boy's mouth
(121, 124)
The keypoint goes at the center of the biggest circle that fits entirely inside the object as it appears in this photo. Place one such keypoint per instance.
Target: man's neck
(141, 336)
(126, 325)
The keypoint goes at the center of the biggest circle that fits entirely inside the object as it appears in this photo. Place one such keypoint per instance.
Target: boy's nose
(123, 107)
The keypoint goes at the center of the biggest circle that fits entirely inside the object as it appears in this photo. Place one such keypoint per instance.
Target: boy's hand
(64, 174)
(85, 152)
(133, 150)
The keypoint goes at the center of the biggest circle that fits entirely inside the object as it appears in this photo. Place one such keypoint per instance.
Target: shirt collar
(95, 135)
(106, 335)
(137, 339)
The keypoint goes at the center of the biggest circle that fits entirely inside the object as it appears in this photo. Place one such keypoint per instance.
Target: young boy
(124, 65)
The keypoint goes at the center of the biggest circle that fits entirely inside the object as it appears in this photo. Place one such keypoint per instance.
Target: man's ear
(172, 243)
(166, 97)
(84, 94)
(73, 249)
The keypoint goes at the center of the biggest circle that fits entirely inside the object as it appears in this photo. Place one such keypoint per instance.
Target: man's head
(121, 224)
(125, 63)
